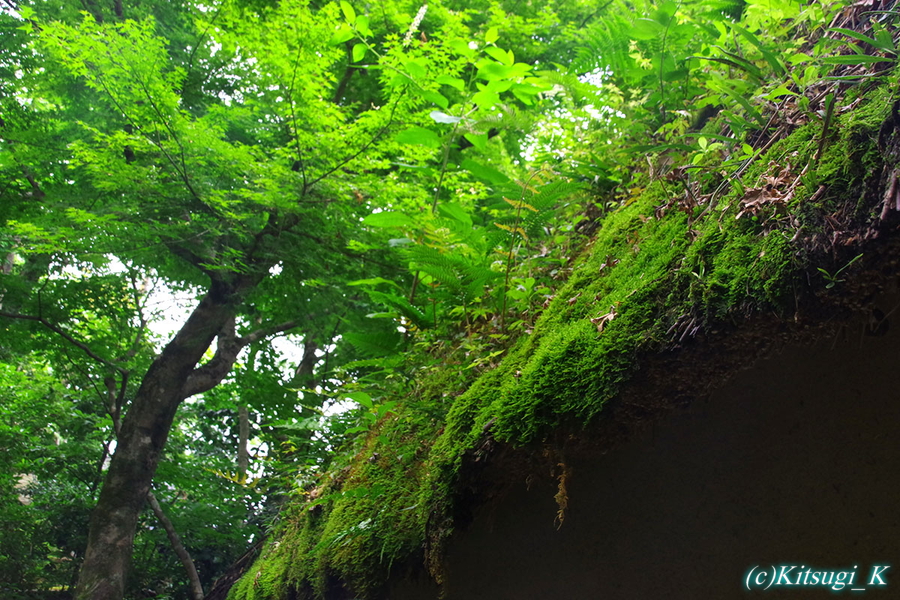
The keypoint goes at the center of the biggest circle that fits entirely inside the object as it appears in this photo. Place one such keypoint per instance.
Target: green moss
(643, 283)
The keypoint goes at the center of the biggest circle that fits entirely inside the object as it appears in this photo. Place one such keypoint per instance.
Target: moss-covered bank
(650, 280)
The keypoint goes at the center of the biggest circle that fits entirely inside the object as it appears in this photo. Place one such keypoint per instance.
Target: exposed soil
(703, 469)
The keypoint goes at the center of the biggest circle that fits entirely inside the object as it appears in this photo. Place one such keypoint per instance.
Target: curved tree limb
(178, 547)
(228, 346)
(66, 336)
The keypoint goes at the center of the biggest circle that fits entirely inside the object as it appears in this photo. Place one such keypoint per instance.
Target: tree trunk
(145, 429)
(174, 539)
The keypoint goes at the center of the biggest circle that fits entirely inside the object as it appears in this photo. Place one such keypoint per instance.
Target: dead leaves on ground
(775, 193)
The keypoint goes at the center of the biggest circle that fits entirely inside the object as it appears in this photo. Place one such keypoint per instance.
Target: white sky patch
(549, 134)
(288, 348)
(166, 309)
(338, 406)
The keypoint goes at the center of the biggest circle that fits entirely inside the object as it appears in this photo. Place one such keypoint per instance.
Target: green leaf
(492, 35)
(799, 58)
(461, 47)
(362, 24)
(527, 89)
(884, 44)
(372, 345)
(485, 99)
(855, 59)
(399, 304)
(504, 57)
(779, 92)
(646, 29)
(359, 52)
(373, 280)
(485, 172)
(388, 218)
(884, 38)
(361, 398)
(348, 11)
(773, 60)
(676, 74)
(343, 34)
(454, 82)
(479, 140)
(415, 69)
(742, 63)
(751, 110)
(436, 98)
(456, 212)
(490, 70)
(419, 136)
(663, 15)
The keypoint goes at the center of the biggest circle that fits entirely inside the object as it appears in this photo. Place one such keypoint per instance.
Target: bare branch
(142, 321)
(268, 331)
(62, 333)
(178, 547)
(365, 146)
(300, 165)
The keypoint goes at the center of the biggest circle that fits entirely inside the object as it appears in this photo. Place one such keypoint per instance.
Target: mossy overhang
(668, 298)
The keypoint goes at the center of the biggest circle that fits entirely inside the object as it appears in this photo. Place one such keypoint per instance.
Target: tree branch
(192, 258)
(243, 456)
(365, 146)
(300, 165)
(178, 547)
(62, 333)
(322, 242)
(158, 143)
(208, 376)
(142, 322)
(228, 346)
(348, 74)
(269, 331)
(36, 190)
(183, 171)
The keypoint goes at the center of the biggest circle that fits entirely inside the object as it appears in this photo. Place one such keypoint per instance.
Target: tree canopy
(391, 188)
